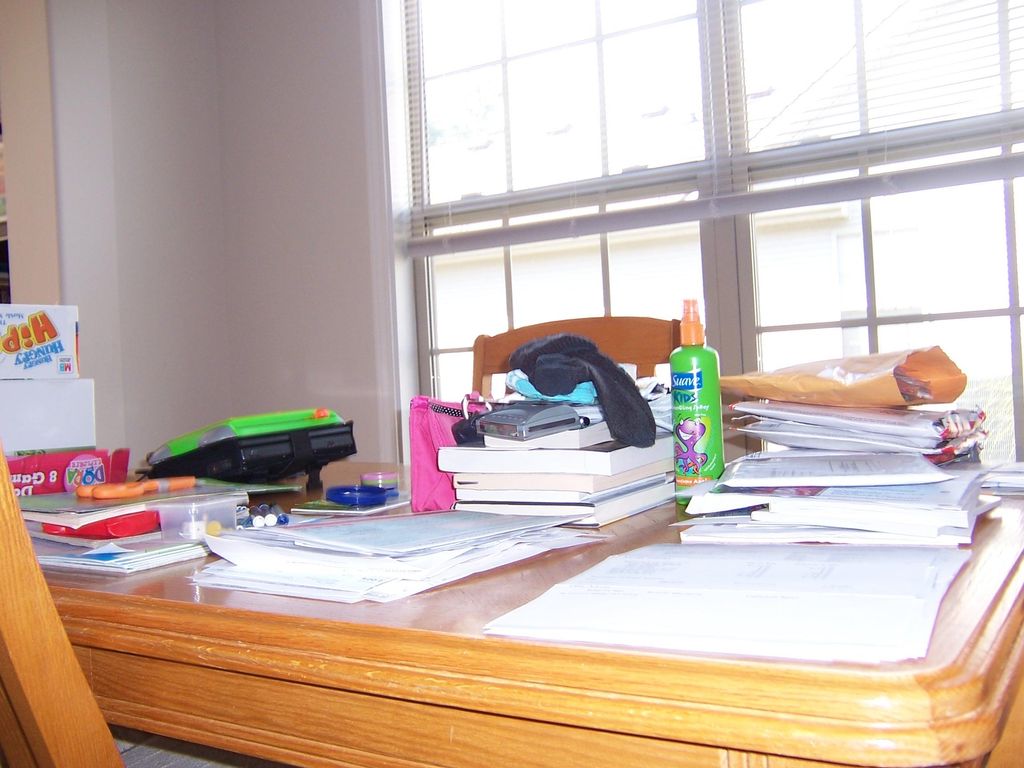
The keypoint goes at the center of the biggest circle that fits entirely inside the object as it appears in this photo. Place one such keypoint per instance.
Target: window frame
(725, 202)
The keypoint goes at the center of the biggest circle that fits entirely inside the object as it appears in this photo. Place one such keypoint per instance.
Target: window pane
(554, 117)
(446, 46)
(532, 25)
(466, 135)
(799, 86)
(1018, 207)
(454, 376)
(1016, 13)
(557, 280)
(565, 213)
(653, 92)
(785, 348)
(980, 348)
(929, 61)
(653, 270)
(617, 15)
(469, 297)
(923, 62)
(809, 264)
(943, 250)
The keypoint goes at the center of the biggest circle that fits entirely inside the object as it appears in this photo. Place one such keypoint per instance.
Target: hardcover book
(555, 495)
(516, 481)
(602, 459)
(607, 508)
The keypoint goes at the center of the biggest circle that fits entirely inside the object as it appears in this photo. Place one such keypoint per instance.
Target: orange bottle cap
(691, 330)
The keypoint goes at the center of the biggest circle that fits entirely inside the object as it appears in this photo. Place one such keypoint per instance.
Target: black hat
(556, 364)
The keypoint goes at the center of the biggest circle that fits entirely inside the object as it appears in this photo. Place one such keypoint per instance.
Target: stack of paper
(381, 558)
(818, 496)
(808, 602)
(67, 509)
(942, 435)
(116, 557)
(1005, 479)
(564, 473)
(98, 553)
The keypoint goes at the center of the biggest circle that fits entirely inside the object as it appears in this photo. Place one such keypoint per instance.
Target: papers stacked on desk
(819, 496)
(116, 557)
(809, 602)
(100, 553)
(941, 435)
(1006, 479)
(381, 558)
(67, 509)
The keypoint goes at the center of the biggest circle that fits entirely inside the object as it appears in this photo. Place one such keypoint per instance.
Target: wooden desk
(415, 682)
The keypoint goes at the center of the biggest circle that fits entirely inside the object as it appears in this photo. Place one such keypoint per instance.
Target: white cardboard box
(46, 414)
(38, 341)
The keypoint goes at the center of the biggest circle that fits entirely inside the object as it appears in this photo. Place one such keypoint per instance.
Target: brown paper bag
(886, 379)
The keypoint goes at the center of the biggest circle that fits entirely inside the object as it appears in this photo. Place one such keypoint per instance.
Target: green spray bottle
(696, 404)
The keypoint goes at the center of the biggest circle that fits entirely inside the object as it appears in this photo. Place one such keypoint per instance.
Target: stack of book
(831, 497)
(579, 472)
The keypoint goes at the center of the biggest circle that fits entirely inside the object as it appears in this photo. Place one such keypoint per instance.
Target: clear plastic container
(192, 517)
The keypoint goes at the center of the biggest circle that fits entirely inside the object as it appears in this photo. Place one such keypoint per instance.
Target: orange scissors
(133, 489)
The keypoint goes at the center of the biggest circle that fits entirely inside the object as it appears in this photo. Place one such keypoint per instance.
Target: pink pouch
(430, 428)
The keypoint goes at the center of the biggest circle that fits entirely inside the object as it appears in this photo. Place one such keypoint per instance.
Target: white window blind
(712, 109)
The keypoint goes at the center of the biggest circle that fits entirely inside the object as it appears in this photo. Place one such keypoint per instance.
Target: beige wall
(28, 139)
(222, 211)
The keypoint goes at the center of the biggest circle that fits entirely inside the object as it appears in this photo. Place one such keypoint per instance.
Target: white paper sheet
(764, 533)
(441, 548)
(800, 601)
(764, 470)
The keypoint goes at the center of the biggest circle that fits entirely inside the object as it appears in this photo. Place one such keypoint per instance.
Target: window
(832, 178)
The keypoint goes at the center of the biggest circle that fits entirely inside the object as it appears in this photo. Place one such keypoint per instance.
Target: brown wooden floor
(146, 750)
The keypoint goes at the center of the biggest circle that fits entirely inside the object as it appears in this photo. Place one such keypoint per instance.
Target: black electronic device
(521, 421)
(258, 448)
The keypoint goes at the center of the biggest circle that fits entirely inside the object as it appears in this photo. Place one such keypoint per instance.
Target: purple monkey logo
(688, 434)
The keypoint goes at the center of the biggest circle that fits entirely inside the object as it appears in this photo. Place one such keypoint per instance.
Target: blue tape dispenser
(356, 495)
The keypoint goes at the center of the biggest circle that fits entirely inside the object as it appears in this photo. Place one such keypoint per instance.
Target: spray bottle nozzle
(691, 330)
(690, 312)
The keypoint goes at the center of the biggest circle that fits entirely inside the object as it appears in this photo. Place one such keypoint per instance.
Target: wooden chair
(645, 341)
(49, 717)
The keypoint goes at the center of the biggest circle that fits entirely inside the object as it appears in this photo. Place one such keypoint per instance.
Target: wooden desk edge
(891, 718)
(947, 709)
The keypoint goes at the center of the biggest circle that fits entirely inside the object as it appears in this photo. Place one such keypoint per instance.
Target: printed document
(819, 468)
(801, 601)
(380, 558)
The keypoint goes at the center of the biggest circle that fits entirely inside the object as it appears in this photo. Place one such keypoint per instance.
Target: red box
(63, 472)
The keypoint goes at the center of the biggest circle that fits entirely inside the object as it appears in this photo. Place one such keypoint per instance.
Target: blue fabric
(585, 392)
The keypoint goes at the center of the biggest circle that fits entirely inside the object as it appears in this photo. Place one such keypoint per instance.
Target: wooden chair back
(49, 717)
(645, 341)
